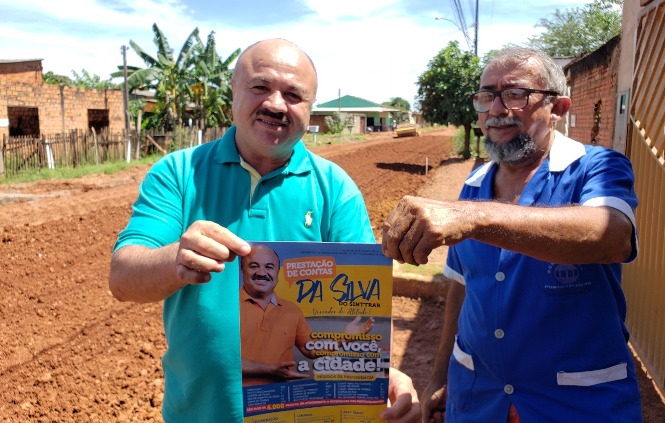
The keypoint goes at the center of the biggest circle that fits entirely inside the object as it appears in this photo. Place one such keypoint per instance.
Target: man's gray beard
(515, 151)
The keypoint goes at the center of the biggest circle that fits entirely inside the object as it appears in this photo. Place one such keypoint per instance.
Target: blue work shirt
(309, 199)
(547, 337)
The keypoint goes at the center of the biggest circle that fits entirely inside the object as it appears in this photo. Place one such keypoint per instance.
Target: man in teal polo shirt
(197, 207)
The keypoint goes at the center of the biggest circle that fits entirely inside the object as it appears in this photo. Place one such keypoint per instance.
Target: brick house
(592, 81)
(28, 106)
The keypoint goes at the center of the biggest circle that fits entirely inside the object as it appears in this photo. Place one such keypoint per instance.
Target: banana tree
(167, 76)
(210, 84)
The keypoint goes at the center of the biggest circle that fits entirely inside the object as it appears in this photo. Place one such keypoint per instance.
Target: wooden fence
(76, 148)
(644, 279)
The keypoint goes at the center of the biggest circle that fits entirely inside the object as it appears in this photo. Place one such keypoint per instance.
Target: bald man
(195, 209)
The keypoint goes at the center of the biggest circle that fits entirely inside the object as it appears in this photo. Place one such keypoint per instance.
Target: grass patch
(423, 269)
(113, 167)
(77, 172)
(458, 143)
(322, 138)
(325, 138)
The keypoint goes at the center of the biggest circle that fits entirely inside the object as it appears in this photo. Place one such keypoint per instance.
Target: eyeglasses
(511, 98)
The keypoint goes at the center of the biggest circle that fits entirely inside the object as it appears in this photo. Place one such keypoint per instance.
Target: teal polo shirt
(309, 199)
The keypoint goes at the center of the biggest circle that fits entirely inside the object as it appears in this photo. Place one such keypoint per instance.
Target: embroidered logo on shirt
(308, 219)
(565, 273)
(565, 279)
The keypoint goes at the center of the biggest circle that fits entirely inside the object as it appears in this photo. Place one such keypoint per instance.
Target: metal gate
(644, 279)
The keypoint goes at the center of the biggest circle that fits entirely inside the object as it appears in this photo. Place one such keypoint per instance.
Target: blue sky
(373, 49)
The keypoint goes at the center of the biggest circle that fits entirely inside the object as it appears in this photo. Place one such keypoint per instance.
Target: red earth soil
(72, 353)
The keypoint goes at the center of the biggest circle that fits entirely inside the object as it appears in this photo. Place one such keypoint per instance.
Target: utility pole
(339, 110)
(125, 93)
(475, 33)
(463, 28)
(125, 101)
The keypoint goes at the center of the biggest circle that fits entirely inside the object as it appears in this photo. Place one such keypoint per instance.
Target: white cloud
(333, 10)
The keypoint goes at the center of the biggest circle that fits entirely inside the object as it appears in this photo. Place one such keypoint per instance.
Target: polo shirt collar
(564, 152)
(244, 296)
(298, 163)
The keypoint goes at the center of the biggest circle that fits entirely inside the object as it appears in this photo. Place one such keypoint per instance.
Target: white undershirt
(253, 174)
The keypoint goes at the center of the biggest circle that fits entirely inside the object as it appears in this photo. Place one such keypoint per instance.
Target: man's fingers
(396, 227)
(402, 403)
(403, 410)
(233, 244)
(191, 276)
(206, 246)
(409, 243)
(218, 243)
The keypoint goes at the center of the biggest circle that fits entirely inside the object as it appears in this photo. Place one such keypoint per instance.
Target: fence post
(139, 117)
(2, 157)
(40, 149)
(73, 141)
(129, 145)
(48, 151)
(94, 138)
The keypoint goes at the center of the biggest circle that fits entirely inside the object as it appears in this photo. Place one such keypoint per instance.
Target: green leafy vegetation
(79, 171)
(82, 80)
(477, 147)
(194, 85)
(337, 123)
(445, 87)
(576, 31)
(423, 269)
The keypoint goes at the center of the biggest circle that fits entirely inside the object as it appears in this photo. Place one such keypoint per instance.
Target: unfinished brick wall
(60, 109)
(29, 71)
(25, 121)
(593, 87)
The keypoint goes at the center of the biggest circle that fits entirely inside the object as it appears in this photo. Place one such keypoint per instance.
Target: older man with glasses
(534, 320)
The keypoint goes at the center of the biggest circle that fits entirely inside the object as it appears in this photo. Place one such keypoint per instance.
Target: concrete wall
(625, 70)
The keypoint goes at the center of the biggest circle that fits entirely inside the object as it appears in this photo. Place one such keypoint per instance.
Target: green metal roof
(347, 102)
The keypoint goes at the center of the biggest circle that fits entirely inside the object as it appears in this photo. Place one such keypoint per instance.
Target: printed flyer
(315, 323)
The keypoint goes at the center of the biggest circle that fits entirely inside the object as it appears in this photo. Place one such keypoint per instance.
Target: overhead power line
(459, 15)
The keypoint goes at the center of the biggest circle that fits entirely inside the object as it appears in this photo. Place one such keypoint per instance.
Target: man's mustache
(275, 115)
(261, 278)
(502, 121)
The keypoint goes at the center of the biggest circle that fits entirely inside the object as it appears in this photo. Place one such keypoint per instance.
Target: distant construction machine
(407, 129)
